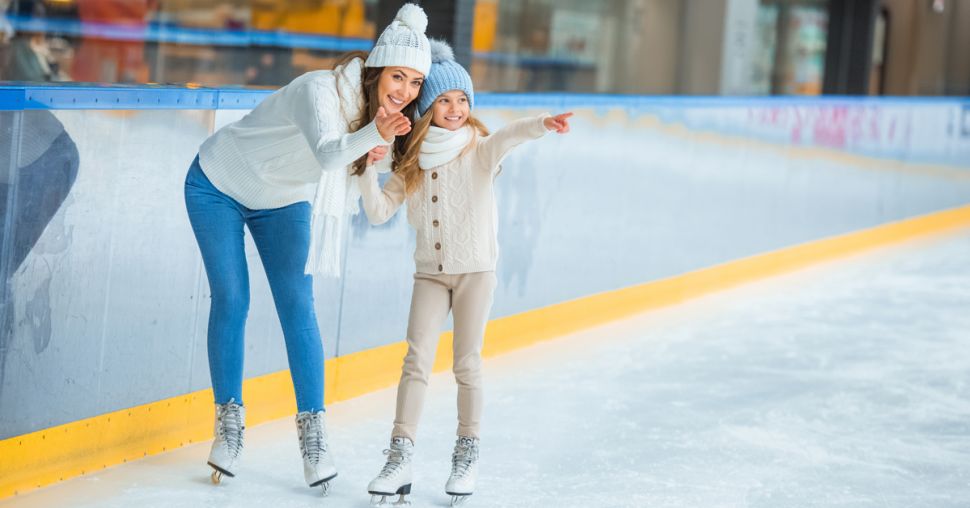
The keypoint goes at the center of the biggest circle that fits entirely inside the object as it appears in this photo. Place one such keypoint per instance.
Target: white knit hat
(403, 43)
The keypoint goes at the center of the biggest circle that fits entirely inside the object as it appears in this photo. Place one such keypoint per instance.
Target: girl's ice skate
(464, 470)
(228, 443)
(395, 477)
(318, 467)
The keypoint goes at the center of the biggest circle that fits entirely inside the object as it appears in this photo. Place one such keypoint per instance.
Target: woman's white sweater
(295, 146)
(453, 210)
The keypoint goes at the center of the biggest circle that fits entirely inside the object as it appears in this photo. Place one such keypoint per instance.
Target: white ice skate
(228, 443)
(318, 467)
(395, 477)
(464, 470)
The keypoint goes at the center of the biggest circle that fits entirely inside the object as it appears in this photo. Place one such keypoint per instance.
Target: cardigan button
(437, 246)
(434, 199)
(435, 223)
(440, 268)
(434, 176)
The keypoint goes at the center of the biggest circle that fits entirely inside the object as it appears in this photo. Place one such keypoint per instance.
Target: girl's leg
(471, 304)
(217, 221)
(282, 237)
(430, 303)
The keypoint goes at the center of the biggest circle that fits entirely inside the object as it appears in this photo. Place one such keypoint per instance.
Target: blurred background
(665, 47)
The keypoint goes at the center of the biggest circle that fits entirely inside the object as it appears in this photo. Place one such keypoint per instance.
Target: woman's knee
(294, 302)
(232, 301)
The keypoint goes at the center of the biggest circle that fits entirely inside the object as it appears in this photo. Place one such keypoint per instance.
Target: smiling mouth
(396, 102)
(452, 118)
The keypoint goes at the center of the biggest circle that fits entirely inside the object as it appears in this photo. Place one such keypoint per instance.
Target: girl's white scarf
(441, 146)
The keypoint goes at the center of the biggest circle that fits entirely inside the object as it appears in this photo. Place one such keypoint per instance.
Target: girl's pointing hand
(558, 123)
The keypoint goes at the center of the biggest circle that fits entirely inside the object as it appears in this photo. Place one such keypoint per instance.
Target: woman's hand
(391, 125)
(558, 123)
(376, 154)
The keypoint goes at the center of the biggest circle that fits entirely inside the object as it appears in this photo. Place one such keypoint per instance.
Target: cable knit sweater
(293, 147)
(453, 210)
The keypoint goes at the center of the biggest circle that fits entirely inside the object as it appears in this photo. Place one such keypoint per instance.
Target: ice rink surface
(843, 385)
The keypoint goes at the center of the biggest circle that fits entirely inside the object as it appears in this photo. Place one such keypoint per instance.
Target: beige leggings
(469, 297)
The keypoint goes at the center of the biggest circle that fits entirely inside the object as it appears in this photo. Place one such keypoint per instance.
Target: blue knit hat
(445, 75)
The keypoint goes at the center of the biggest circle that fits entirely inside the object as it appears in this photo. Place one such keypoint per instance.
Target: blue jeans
(282, 237)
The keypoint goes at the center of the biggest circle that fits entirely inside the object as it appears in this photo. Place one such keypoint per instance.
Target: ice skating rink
(846, 384)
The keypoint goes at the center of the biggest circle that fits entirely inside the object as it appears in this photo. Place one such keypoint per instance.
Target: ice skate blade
(218, 473)
(381, 499)
(459, 499)
(377, 500)
(319, 483)
(326, 487)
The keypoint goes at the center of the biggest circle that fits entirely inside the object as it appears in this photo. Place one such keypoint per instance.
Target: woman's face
(450, 110)
(397, 87)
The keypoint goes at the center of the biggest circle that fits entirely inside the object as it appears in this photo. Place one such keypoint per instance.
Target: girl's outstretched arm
(492, 149)
(380, 204)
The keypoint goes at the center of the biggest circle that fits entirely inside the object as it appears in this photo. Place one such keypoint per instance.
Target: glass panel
(105, 299)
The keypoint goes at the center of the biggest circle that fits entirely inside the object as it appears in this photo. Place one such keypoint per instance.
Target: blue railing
(20, 96)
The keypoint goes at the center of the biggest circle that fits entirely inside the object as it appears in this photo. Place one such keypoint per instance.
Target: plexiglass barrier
(105, 299)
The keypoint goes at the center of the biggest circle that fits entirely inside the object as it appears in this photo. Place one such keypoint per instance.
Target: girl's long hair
(408, 166)
(369, 79)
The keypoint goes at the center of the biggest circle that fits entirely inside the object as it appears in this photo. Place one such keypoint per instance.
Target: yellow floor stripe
(55, 454)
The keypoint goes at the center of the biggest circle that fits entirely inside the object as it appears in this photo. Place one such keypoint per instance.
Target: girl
(446, 178)
(301, 143)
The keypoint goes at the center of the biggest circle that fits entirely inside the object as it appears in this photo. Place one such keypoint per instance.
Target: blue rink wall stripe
(24, 96)
(15, 97)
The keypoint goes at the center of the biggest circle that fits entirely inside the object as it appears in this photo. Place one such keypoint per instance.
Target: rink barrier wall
(916, 175)
(55, 454)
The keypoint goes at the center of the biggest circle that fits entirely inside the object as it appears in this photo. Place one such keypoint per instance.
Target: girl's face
(397, 87)
(450, 110)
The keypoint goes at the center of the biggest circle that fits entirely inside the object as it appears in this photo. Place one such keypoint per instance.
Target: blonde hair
(408, 166)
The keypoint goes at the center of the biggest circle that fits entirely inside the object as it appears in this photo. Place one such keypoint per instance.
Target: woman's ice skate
(228, 443)
(318, 466)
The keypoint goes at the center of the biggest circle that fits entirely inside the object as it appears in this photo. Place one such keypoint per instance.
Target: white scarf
(441, 146)
(337, 192)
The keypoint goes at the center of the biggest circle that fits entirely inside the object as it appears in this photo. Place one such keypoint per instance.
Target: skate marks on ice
(844, 385)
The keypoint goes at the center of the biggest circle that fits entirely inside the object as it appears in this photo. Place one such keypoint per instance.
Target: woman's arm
(380, 204)
(317, 112)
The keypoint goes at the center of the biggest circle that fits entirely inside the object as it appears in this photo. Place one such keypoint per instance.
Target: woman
(302, 142)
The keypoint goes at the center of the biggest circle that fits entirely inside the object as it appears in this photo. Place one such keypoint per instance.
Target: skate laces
(312, 438)
(466, 453)
(397, 456)
(231, 426)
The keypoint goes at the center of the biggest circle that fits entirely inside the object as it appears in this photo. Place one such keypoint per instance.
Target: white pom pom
(412, 16)
(440, 51)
